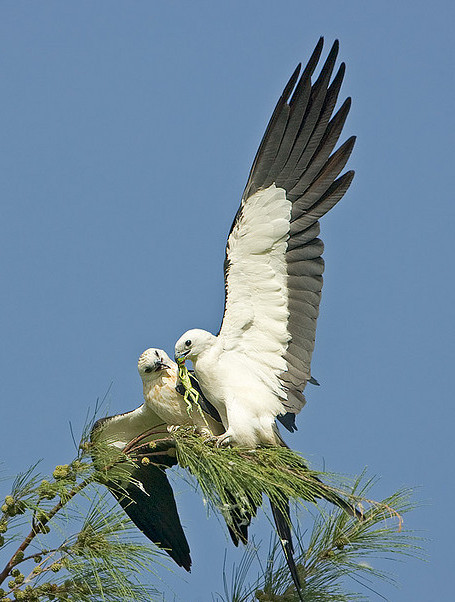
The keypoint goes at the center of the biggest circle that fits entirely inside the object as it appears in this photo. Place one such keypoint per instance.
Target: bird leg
(224, 440)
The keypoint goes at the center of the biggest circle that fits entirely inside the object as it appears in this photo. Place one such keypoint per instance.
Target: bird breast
(163, 399)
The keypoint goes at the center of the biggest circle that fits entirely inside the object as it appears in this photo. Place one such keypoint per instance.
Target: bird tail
(329, 496)
(238, 516)
(337, 500)
(281, 516)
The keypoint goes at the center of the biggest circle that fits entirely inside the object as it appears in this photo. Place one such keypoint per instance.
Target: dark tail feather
(335, 499)
(238, 518)
(281, 516)
(240, 533)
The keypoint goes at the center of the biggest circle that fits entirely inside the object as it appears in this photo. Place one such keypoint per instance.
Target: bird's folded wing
(273, 265)
(149, 501)
(144, 491)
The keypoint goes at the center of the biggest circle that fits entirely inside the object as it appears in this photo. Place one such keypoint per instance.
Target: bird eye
(188, 343)
(148, 369)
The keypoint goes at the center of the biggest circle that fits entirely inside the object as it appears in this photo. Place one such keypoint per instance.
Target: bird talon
(223, 440)
(205, 433)
(172, 428)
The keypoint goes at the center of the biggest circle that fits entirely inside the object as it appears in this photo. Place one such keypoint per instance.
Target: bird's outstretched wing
(273, 265)
(144, 492)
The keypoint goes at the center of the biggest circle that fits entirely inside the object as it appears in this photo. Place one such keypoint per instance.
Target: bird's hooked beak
(157, 366)
(160, 365)
(180, 357)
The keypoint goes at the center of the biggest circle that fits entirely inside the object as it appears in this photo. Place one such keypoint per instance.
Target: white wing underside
(256, 313)
(121, 429)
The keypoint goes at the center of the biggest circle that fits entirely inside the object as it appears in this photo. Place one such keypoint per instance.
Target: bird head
(192, 343)
(152, 364)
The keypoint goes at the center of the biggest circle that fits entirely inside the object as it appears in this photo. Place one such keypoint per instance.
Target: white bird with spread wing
(256, 368)
(143, 490)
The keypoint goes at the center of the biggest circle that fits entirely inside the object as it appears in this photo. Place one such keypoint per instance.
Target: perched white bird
(164, 395)
(143, 490)
(256, 368)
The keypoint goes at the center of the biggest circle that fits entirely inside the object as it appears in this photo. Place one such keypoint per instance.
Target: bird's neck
(205, 363)
(162, 379)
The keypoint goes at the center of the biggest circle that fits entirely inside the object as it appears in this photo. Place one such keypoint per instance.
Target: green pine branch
(88, 551)
(77, 546)
(338, 552)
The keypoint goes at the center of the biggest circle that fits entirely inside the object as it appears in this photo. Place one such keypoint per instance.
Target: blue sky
(127, 133)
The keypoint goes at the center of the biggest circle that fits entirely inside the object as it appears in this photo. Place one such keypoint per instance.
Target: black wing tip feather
(291, 83)
(345, 107)
(315, 56)
(329, 63)
(288, 421)
(346, 178)
(311, 64)
(152, 508)
(335, 47)
(282, 104)
(339, 76)
(137, 510)
(271, 141)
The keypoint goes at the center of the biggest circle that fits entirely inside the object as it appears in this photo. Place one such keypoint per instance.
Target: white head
(154, 363)
(192, 343)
